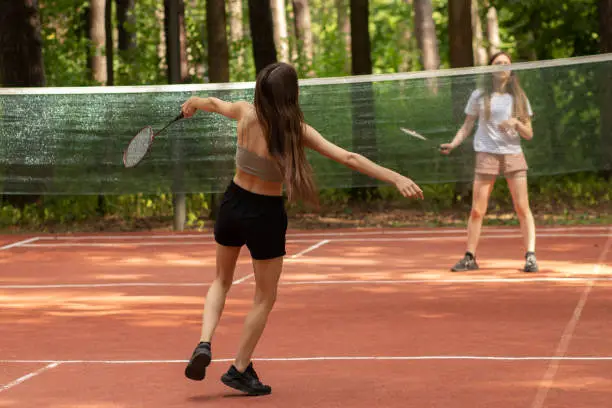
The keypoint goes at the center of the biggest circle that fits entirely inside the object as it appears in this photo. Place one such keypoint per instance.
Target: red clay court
(364, 318)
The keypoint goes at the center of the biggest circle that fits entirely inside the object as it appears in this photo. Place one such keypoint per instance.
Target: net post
(178, 195)
(179, 205)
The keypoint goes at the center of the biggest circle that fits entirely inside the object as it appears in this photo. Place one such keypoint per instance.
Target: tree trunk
(526, 51)
(480, 53)
(110, 46)
(605, 25)
(236, 30)
(126, 22)
(460, 33)
(362, 98)
(461, 55)
(303, 33)
(21, 60)
(605, 35)
(100, 67)
(405, 27)
(407, 47)
(97, 35)
(425, 31)
(184, 69)
(262, 33)
(126, 41)
(281, 36)
(110, 81)
(461, 50)
(493, 31)
(21, 65)
(218, 64)
(427, 40)
(344, 31)
(218, 54)
(175, 41)
(162, 53)
(172, 23)
(360, 38)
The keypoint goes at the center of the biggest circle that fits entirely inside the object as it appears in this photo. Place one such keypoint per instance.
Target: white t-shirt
(489, 137)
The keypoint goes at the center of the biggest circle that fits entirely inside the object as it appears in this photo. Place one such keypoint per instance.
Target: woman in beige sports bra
(270, 155)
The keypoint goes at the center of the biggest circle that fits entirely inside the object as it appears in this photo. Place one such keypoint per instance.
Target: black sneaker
(247, 382)
(200, 359)
(531, 264)
(467, 263)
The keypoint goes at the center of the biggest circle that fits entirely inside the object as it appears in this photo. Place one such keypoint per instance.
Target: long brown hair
(519, 108)
(279, 112)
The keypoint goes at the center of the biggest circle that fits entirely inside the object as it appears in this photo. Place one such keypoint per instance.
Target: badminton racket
(417, 135)
(141, 144)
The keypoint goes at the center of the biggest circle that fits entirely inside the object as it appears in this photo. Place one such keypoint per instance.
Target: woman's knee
(477, 212)
(480, 198)
(266, 299)
(225, 282)
(267, 275)
(522, 210)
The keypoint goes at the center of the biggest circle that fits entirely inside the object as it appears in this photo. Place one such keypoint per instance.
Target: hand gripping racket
(140, 144)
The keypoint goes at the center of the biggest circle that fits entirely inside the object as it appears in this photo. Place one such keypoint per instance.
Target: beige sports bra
(256, 165)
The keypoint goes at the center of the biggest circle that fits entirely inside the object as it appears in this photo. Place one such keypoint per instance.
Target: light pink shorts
(492, 165)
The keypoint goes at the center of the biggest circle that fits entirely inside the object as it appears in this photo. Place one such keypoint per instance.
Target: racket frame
(153, 135)
(417, 135)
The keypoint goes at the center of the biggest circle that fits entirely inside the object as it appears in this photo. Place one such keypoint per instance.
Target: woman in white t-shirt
(504, 117)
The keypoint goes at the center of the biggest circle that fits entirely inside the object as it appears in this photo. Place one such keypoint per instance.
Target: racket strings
(138, 147)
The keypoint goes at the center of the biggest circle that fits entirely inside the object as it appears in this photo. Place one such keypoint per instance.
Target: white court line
(103, 285)
(19, 243)
(299, 254)
(433, 231)
(28, 376)
(438, 231)
(328, 358)
(566, 337)
(366, 240)
(440, 281)
(310, 248)
(317, 282)
(138, 243)
(238, 281)
(119, 244)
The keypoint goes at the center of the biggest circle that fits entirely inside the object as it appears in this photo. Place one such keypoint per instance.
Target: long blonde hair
(519, 108)
(279, 112)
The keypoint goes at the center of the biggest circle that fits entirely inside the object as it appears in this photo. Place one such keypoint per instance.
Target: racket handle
(180, 116)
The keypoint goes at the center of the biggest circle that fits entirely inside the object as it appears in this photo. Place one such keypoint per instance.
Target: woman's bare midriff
(256, 185)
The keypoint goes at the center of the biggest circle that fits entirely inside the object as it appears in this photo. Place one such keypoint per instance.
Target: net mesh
(71, 140)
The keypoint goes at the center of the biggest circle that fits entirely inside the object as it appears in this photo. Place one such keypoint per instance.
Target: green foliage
(538, 29)
(548, 29)
(144, 65)
(65, 43)
(389, 29)
(330, 57)
(440, 17)
(568, 196)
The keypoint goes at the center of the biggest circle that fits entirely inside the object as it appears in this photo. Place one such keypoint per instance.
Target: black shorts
(259, 221)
